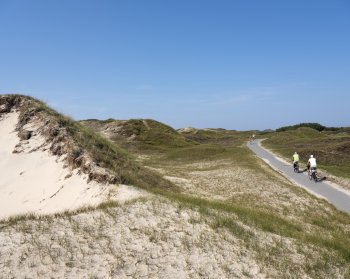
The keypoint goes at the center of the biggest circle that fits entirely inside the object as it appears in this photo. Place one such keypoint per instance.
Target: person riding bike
(251, 138)
(295, 159)
(311, 163)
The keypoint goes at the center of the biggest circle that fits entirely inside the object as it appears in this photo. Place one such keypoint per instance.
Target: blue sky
(229, 64)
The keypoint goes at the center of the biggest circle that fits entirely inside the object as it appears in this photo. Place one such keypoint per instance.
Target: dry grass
(200, 238)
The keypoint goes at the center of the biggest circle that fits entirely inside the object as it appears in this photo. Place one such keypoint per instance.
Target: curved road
(340, 199)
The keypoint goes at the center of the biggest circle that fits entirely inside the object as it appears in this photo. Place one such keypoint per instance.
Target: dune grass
(330, 241)
(140, 135)
(326, 235)
(103, 152)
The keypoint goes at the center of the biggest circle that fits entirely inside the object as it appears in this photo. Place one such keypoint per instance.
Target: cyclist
(311, 163)
(251, 138)
(295, 159)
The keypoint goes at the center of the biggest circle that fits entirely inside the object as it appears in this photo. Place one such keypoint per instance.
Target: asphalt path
(340, 199)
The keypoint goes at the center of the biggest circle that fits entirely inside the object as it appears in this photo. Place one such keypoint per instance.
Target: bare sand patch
(33, 180)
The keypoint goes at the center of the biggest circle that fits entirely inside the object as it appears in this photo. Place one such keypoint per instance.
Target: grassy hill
(315, 126)
(139, 134)
(332, 149)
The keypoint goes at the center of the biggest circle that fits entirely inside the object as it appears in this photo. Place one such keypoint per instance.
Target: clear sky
(235, 64)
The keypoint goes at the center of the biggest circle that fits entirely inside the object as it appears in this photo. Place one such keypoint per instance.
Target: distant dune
(139, 133)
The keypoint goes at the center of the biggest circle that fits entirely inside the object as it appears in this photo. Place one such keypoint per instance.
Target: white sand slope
(36, 181)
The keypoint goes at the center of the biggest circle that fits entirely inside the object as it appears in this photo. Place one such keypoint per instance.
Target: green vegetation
(332, 150)
(154, 133)
(139, 134)
(217, 136)
(315, 126)
(210, 145)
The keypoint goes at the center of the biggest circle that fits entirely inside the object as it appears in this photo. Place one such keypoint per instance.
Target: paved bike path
(338, 198)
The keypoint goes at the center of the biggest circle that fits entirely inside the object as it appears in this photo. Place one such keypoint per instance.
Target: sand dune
(33, 180)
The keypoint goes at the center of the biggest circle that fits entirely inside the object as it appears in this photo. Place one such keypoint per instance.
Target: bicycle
(296, 167)
(312, 173)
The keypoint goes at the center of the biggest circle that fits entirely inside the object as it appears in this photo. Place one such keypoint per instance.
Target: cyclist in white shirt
(311, 163)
